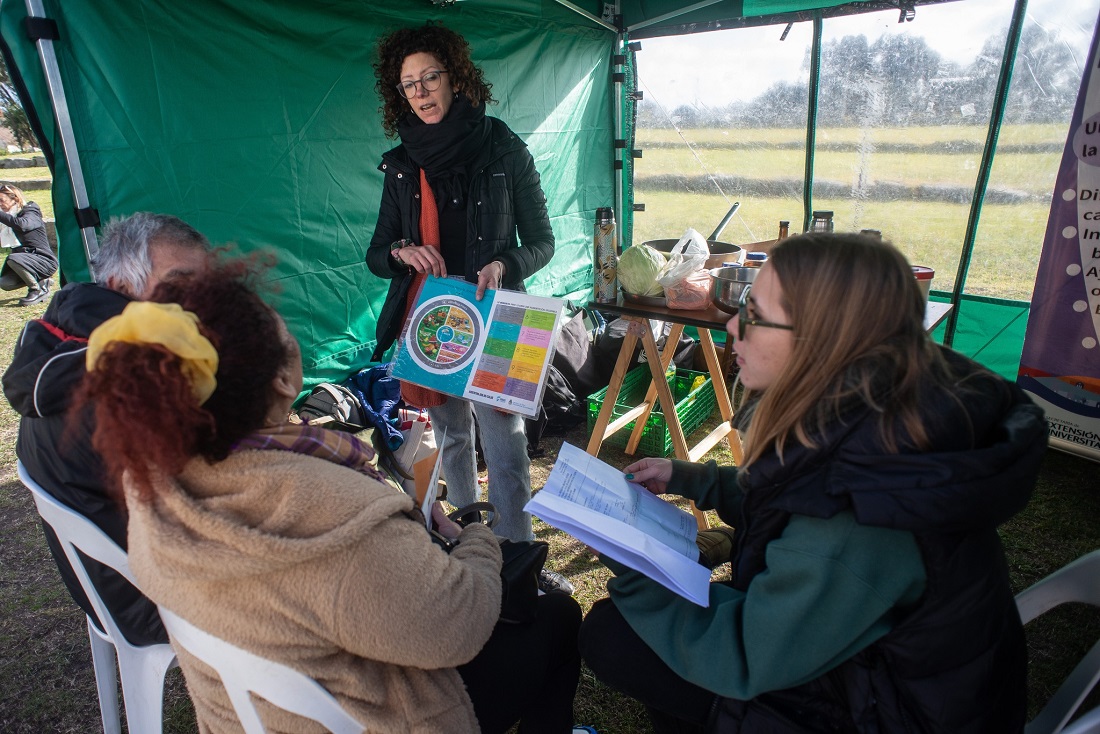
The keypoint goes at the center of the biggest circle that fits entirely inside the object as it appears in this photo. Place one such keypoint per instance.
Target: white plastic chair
(1076, 582)
(142, 669)
(1087, 724)
(243, 673)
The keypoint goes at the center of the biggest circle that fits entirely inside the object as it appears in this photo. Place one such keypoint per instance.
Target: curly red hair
(147, 422)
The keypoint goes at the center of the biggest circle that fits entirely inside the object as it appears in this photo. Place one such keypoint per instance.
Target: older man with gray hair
(136, 254)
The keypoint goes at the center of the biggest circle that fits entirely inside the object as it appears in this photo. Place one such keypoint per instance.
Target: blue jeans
(505, 446)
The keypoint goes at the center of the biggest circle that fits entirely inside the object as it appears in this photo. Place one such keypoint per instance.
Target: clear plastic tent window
(902, 120)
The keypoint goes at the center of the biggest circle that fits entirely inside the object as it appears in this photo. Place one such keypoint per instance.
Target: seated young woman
(283, 540)
(869, 590)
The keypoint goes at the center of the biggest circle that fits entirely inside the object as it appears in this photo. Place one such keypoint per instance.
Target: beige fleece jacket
(314, 565)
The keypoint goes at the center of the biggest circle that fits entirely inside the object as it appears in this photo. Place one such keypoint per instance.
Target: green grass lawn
(1010, 134)
(1009, 237)
(1030, 173)
(1006, 254)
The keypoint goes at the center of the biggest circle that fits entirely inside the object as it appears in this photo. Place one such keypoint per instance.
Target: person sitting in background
(32, 263)
(136, 254)
(869, 588)
(284, 540)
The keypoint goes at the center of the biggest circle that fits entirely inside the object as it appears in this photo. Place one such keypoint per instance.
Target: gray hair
(124, 248)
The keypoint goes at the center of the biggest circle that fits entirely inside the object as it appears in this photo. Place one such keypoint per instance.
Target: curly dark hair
(452, 51)
(146, 417)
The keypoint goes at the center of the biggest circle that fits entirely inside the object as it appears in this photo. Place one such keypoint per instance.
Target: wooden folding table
(704, 321)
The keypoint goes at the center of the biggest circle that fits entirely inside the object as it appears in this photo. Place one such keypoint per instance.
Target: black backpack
(333, 406)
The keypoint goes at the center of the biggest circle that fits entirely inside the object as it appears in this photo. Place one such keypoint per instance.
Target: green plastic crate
(692, 406)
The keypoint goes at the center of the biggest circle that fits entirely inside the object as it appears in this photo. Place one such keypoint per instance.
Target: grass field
(1009, 237)
(1014, 171)
(1006, 254)
(1010, 134)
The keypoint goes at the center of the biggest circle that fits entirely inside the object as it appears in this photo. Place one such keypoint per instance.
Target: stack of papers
(593, 502)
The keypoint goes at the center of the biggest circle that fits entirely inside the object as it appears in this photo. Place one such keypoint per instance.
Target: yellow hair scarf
(168, 325)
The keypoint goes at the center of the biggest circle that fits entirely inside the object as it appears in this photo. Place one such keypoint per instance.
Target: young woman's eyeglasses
(429, 81)
(743, 319)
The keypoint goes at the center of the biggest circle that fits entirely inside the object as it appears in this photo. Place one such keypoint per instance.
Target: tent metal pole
(996, 118)
(674, 14)
(586, 14)
(52, 73)
(811, 122)
(618, 166)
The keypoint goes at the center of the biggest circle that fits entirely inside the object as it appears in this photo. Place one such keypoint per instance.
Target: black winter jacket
(46, 369)
(505, 196)
(956, 663)
(34, 252)
(29, 228)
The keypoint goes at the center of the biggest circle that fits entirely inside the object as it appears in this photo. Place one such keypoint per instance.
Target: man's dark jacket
(956, 662)
(505, 195)
(46, 369)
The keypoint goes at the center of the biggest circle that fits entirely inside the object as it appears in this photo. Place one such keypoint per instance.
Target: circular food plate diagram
(443, 333)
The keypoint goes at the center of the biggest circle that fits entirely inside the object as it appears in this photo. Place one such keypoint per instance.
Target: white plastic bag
(689, 255)
(416, 456)
(692, 293)
(8, 239)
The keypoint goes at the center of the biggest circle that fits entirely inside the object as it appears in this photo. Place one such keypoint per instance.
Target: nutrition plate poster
(1060, 366)
(494, 351)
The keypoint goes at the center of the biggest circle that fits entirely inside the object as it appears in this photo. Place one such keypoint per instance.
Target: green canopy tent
(258, 123)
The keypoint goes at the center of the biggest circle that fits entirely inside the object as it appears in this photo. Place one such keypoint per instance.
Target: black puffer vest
(956, 662)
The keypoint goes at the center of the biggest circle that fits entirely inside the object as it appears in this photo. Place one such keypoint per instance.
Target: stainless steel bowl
(720, 252)
(726, 284)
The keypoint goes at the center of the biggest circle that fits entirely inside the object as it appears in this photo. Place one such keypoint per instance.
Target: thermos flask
(606, 257)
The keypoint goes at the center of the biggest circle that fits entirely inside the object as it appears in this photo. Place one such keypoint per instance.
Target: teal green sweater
(828, 592)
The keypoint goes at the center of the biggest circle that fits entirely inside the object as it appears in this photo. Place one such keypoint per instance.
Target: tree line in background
(900, 81)
(897, 81)
(12, 115)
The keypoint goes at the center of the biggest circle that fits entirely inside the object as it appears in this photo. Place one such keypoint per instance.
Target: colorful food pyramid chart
(494, 351)
(515, 351)
(445, 331)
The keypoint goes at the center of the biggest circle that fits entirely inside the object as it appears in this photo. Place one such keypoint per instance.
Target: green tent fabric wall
(257, 122)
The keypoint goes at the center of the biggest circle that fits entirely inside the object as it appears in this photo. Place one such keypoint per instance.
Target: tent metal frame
(52, 73)
(996, 118)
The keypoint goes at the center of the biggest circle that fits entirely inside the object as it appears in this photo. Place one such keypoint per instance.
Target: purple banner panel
(1060, 367)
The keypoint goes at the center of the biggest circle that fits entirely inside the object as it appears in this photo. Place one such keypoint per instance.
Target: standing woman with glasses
(31, 264)
(461, 198)
(869, 590)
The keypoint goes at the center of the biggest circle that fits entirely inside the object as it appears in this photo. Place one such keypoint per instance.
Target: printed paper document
(593, 502)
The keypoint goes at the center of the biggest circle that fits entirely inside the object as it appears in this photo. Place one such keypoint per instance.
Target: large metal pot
(720, 252)
(727, 283)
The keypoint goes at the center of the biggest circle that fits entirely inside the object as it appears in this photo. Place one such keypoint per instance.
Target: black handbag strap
(475, 509)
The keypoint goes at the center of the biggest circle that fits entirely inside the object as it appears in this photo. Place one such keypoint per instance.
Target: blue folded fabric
(379, 394)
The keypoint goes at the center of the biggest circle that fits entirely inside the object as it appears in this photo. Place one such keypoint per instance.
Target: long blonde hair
(15, 193)
(858, 320)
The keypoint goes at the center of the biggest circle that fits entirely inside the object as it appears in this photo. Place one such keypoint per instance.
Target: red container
(924, 277)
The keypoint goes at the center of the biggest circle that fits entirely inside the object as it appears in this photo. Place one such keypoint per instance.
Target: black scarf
(447, 150)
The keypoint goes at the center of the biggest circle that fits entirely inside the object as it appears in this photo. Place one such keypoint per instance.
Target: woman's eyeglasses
(743, 319)
(429, 81)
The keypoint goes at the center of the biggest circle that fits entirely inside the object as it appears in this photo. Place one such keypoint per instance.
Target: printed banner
(1060, 367)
